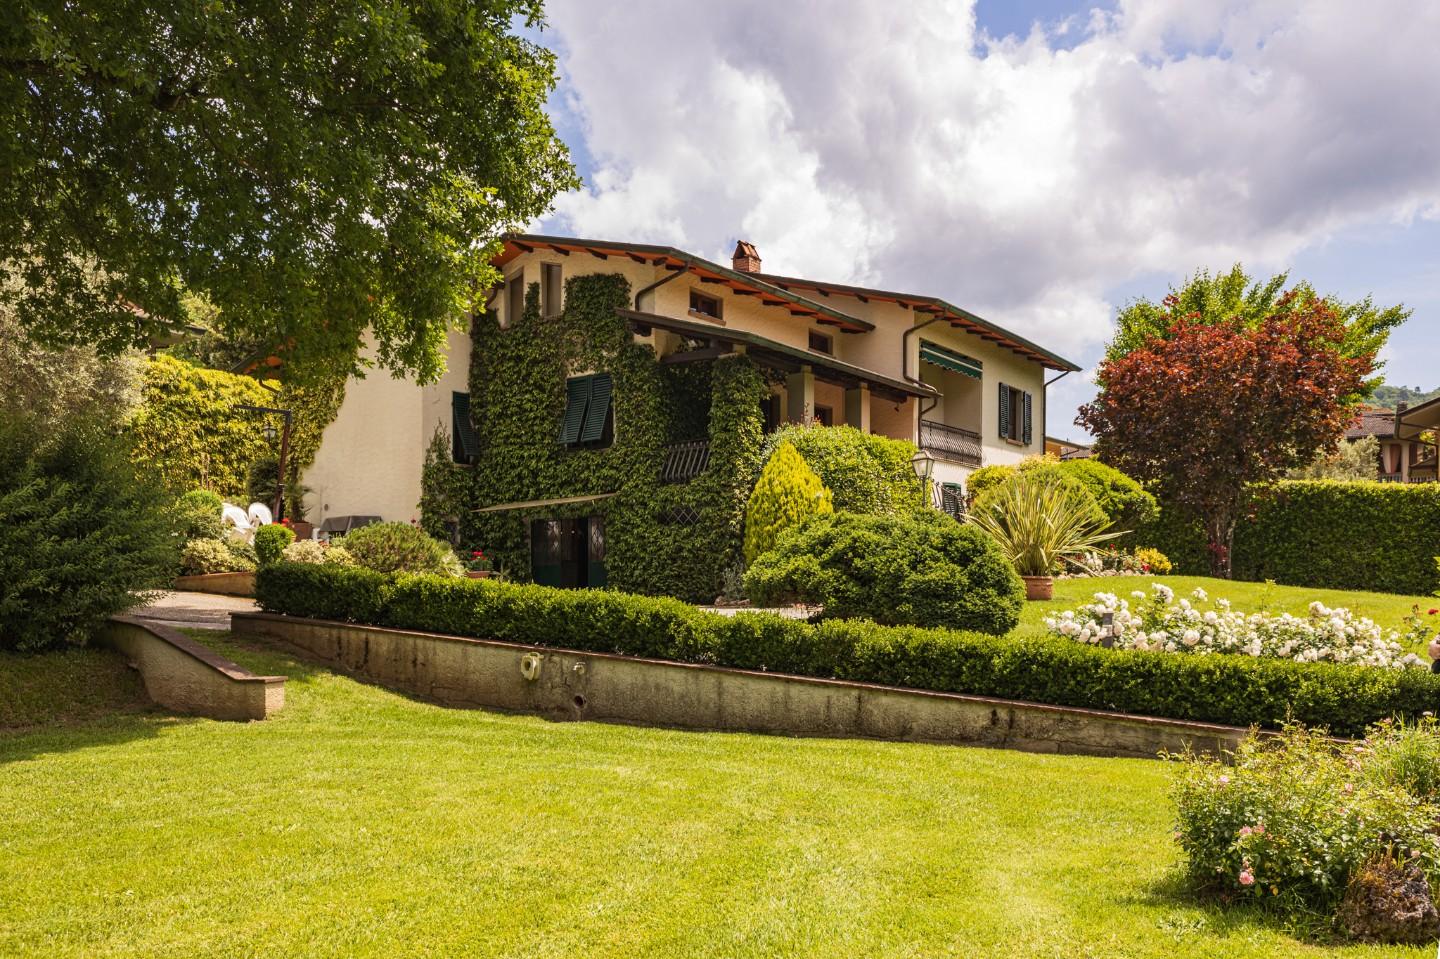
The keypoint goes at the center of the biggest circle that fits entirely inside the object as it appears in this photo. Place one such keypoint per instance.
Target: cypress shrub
(787, 493)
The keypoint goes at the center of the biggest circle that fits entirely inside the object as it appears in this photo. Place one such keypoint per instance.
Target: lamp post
(278, 507)
(924, 465)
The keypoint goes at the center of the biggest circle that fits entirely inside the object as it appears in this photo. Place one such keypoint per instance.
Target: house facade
(1406, 454)
(614, 385)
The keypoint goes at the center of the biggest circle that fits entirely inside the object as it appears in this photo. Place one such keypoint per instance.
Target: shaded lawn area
(362, 823)
(1387, 609)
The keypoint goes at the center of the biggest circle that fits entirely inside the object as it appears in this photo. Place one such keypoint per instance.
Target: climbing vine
(675, 539)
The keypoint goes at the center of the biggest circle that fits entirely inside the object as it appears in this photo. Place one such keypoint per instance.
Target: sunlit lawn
(362, 823)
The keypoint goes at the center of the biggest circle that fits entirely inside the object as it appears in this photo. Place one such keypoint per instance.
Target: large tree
(1209, 406)
(314, 169)
(1234, 295)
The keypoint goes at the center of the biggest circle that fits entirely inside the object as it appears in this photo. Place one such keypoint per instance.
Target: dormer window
(704, 305)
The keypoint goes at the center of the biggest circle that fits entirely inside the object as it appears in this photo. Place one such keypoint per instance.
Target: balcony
(950, 443)
(685, 461)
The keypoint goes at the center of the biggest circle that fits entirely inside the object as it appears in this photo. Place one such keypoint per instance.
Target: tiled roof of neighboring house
(1372, 421)
(775, 290)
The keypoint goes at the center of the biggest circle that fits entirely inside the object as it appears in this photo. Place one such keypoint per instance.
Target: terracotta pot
(303, 530)
(1039, 587)
(479, 573)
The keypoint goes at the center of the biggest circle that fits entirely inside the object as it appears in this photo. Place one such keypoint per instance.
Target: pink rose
(1247, 878)
(1245, 830)
(1224, 780)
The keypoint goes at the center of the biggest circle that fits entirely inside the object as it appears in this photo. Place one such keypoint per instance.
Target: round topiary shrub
(1126, 504)
(922, 569)
(787, 493)
(865, 472)
(271, 540)
(399, 548)
(199, 514)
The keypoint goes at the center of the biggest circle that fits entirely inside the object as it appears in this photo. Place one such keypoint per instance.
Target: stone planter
(1039, 587)
(479, 573)
(223, 584)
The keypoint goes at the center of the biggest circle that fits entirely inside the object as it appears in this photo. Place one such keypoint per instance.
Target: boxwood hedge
(1234, 690)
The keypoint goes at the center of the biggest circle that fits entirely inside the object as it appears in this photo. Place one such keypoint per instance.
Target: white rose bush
(1199, 626)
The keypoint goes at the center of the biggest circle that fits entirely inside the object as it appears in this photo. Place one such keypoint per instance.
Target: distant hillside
(1391, 396)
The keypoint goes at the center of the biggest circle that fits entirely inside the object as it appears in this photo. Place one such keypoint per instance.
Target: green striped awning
(950, 360)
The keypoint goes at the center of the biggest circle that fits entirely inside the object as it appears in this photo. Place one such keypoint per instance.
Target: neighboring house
(1066, 450)
(903, 365)
(1405, 456)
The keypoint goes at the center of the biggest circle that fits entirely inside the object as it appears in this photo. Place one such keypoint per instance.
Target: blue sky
(1041, 163)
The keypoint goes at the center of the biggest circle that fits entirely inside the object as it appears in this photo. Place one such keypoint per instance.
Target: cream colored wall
(371, 455)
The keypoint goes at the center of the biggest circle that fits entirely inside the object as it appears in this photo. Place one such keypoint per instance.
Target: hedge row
(1232, 690)
(1323, 533)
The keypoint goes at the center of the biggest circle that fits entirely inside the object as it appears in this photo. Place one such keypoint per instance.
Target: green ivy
(674, 539)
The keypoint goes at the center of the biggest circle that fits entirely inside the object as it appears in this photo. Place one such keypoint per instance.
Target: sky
(1038, 163)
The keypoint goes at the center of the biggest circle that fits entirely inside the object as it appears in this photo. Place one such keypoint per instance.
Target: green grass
(362, 823)
(1387, 609)
(66, 686)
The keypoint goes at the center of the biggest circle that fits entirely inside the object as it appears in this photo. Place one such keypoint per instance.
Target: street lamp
(268, 431)
(923, 464)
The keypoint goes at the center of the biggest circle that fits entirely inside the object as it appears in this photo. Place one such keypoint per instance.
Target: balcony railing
(1400, 478)
(685, 461)
(950, 442)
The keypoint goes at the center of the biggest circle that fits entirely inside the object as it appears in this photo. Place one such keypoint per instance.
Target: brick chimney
(745, 259)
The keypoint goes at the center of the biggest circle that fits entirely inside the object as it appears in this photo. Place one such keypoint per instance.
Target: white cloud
(894, 144)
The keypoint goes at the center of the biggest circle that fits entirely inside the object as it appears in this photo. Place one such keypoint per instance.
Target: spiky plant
(1038, 524)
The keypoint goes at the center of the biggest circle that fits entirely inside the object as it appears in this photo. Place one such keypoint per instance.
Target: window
(952, 500)
(515, 299)
(1015, 415)
(770, 409)
(704, 305)
(822, 343)
(550, 287)
(464, 444)
(589, 420)
(825, 416)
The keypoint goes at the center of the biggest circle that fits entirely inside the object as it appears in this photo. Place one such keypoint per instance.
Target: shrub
(271, 540)
(202, 556)
(985, 479)
(920, 569)
(865, 472)
(314, 551)
(1038, 520)
(199, 514)
(399, 548)
(84, 532)
(1153, 561)
(1126, 504)
(787, 493)
(1236, 690)
(1291, 822)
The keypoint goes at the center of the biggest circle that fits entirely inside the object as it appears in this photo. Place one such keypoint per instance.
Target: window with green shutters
(589, 415)
(952, 500)
(465, 446)
(1016, 414)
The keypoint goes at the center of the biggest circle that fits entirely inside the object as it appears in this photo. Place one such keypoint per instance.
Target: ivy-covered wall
(676, 539)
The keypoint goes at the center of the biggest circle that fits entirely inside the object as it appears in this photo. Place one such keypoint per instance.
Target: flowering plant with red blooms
(286, 522)
(478, 561)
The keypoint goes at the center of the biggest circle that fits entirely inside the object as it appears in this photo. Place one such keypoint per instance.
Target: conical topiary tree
(788, 493)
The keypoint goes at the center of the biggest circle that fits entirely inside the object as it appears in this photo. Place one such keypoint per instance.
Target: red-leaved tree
(1213, 408)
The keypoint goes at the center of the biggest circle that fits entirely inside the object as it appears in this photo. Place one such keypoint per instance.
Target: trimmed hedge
(1233, 690)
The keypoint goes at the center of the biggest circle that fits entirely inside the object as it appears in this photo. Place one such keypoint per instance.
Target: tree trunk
(1220, 531)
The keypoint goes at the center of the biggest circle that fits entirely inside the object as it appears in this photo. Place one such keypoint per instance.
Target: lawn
(363, 823)
(1387, 609)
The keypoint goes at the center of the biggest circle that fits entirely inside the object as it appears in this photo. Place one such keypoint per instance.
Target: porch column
(857, 407)
(800, 396)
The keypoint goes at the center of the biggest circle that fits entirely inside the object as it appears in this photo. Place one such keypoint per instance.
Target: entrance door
(568, 553)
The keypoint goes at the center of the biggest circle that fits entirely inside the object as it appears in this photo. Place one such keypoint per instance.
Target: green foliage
(444, 488)
(318, 173)
(1235, 690)
(203, 556)
(198, 513)
(1352, 461)
(1038, 521)
(865, 472)
(517, 390)
(73, 382)
(271, 540)
(1126, 504)
(786, 495)
(399, 548)
(84, 532)
(1289, 823)
(1392, 396)
(921, 569)
(985, 479)
(189, 430)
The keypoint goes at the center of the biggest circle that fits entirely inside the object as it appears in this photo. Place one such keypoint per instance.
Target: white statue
(245, 522)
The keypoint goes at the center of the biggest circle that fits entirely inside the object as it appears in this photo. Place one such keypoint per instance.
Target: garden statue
(245, 522)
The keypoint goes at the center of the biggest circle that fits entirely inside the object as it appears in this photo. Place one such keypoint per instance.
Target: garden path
(185, 610)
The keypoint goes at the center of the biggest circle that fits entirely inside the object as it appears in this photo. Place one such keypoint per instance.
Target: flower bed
(1160, 623)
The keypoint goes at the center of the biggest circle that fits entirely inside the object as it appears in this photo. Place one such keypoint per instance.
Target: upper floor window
(515, 298)
(589, 416)
(704, 304)
(465, 446)
(1016, 419)
(822, 343)
(550, 289)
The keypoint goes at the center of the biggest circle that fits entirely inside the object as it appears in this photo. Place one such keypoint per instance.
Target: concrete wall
(182, 675)
(562, 684)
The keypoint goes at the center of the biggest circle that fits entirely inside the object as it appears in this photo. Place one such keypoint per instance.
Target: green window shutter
(1004, 411)
(600, 391)
(577, 398)
(467, 444)
(952, 499)
(1026, 420)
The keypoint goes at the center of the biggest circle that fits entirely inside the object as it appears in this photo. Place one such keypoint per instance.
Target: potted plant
(1040, 525)
(478, 566)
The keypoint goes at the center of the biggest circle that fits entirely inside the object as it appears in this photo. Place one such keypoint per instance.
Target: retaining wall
(223, 584)
(185, 676)
(569, 685)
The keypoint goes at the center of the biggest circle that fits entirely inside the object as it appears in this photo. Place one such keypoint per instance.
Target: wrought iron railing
(685, 461)
(950, 442)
